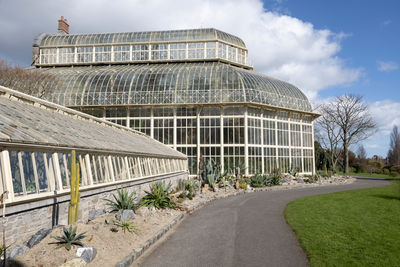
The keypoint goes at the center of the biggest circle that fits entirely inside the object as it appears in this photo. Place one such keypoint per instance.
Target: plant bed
(117, 247)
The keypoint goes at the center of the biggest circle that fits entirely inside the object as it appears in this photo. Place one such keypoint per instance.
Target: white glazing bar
(93, 54)
(198, 140)
(221, 136)
(276, 141)
(7, 176)
(313, 149)
(35, 172)
(149, 166)
(112, 53)
(150, 47)
(127, 168)
(57, 55)
(57, 171)
(140, 167)
(89, 170)
(290, 141)
(152, 123)
(110, 168)
(175, 128)
(262, 142)
(21, 173)
(302, 147)
(246, 143)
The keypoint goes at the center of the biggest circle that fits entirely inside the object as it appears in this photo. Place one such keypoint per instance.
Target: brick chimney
(63, 26)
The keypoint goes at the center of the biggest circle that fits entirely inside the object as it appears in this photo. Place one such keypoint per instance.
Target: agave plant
(126, 226)
(122, 200)
(159, 196)
(69, 238)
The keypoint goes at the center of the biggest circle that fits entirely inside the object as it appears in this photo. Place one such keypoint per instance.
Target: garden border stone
(136, 253)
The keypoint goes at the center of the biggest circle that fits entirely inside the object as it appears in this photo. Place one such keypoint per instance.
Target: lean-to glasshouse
(36, 140)
(193, 90)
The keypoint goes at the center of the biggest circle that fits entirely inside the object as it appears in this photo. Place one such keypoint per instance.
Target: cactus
(75, 195)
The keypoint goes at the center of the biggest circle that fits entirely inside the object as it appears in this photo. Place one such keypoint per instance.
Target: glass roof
(179, 83)
(135, 37)
(30, 121)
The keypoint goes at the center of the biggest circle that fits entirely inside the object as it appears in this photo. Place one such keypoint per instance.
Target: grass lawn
(351, 228)
(373, 175)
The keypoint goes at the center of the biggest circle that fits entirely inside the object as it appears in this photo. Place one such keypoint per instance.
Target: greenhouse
(37, 137)
(193, 90)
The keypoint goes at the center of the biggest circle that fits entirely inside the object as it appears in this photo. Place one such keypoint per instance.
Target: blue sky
(326, 48)
(371, 42)
(373, 29)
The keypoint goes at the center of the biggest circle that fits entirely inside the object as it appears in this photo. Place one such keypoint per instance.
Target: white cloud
(280, 45)
(387, 65)
(386, 114)
(386, 22)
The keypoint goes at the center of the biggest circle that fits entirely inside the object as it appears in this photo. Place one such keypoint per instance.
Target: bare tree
(394, 150)
(32, 81)
(351, 115)
(362, 155)
(328, 134)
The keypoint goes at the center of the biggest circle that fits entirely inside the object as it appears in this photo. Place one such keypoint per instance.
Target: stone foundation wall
(25, 219)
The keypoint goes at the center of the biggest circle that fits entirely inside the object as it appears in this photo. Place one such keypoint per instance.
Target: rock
(17, 250)
(87, 254)
(77, 262)
(299, 180)
(152, 210)
(125, 214)
(39, 236)
(202, 196)
(93, 214)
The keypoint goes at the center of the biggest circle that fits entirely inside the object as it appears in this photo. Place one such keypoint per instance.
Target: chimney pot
(63, 26)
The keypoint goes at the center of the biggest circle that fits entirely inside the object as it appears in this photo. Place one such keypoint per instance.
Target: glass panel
(16, 173)
(233, 130)
(233, 158)
(64, 159)
(29, 175)
(41, 171)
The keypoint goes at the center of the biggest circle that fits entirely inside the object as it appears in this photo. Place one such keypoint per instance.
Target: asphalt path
(245, 230)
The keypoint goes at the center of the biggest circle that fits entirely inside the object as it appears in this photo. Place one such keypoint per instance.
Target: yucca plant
(69, 238)
(126, 226)
(159, 196)
(122, 200)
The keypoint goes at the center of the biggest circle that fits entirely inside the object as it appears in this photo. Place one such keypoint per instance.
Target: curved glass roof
(140, 37)
(179, 83)
(30, 121)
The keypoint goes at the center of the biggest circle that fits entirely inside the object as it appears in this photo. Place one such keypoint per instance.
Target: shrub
(395, 168)
(311, 179)
(69, 238)
(258, 180)
(386, 171)
(273, 181)
(394, 174)
(189, 189)
(122, 201)
(159, 196)
(242, 185)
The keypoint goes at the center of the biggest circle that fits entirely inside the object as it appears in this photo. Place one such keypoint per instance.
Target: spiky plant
(159, 196)
(69, 238)
(126, 226)
(122, 200)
